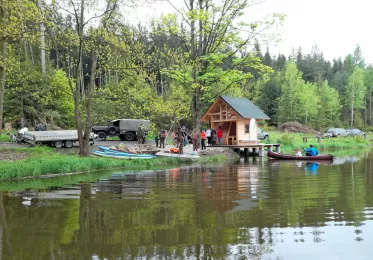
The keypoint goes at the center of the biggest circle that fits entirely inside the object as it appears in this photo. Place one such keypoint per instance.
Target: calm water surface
(256, 209)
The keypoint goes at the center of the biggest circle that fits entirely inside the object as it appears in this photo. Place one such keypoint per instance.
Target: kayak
(107, 149)
(294, 157)
(121, 155)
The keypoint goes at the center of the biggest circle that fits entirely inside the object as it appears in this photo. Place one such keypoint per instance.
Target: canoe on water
(125, 156)
(294, 157)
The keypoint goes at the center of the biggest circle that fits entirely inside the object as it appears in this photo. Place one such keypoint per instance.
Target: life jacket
(174, 150)
(203, 135)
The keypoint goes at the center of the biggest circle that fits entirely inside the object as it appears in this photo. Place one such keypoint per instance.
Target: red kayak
(294, 157)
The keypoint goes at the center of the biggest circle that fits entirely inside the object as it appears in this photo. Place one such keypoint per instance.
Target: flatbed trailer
(58, 139)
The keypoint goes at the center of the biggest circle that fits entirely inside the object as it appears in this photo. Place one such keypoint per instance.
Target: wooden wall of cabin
(242, 135)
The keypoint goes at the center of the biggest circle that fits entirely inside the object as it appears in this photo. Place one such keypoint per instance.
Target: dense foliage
(63, 67)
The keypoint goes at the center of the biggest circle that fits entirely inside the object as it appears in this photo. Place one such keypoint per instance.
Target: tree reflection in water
(233, 211)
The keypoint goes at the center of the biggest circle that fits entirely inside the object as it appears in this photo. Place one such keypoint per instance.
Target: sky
(336, 26)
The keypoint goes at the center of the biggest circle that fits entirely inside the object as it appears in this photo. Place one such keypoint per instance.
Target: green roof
(245, 108)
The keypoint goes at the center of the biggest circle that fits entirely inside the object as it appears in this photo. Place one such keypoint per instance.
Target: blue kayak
(108, 150)
(122, 155)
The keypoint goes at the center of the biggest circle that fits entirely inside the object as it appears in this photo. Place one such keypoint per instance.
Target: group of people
(312, 151)
(197, 138)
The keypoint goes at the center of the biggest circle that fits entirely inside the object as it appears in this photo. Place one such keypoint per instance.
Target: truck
(58, 139)
(126, 129)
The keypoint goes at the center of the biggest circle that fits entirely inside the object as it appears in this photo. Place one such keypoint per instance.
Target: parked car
(355, 132)
(262, 134)
(126, 129)
(336, 132)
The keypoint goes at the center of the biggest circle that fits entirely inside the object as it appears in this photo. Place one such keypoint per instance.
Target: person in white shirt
(208, 135)
(299, 153)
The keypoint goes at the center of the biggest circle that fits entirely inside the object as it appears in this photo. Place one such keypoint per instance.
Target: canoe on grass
(125, 156)
(294, 157)
(107, 149)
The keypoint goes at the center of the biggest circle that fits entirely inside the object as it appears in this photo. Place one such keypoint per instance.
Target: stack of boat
(118, 154)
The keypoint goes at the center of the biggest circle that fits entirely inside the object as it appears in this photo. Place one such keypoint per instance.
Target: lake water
(256, 209)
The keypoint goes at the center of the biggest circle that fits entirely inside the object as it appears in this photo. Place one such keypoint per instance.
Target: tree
(15, 17)
(355, 92)
(289, 103)
(212, 37)
(91, 43)
(269, 98)
(329, 106)
(368, 80)
(358, 59)
(308, 103)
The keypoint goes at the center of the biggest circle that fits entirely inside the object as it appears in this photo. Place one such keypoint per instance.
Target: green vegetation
(4, 137)
(46, 161)
(291, 142)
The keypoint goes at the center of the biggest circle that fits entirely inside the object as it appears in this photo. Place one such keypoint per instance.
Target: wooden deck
(260, 148)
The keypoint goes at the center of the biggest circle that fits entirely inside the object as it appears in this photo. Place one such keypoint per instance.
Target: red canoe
(294, 157)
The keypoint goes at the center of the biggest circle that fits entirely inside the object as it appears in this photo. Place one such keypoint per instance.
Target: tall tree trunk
(90, 93)
(352, 106)
(370, 108)
(42, 41)
(3, 47)
(78, 82)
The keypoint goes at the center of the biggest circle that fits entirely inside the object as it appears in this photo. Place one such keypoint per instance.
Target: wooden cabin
(238, 118)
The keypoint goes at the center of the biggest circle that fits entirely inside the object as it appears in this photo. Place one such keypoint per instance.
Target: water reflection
(256, 209)
(311, 167)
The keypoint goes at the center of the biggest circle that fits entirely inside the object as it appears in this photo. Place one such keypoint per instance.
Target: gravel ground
(12, 156)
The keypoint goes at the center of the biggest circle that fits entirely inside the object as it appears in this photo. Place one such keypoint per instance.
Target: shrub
(286, 140)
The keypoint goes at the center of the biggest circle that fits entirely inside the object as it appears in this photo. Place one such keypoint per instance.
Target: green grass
(4, 137)
(293, 141)
(45, 161)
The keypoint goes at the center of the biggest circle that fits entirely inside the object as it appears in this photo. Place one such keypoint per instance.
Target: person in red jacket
(220, 135)
(203, 140)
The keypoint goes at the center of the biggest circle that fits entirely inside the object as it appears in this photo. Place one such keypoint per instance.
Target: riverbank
(46, 162)
(293, 141)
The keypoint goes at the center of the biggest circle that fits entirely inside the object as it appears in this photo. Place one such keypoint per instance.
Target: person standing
(156, 139)
(203, 140)
(213, 137)
(181, 142)
(220, 136)
(208, 135)
(162, 138)
(195, 139)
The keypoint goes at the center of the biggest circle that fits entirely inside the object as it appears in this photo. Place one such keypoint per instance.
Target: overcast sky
(335, 25)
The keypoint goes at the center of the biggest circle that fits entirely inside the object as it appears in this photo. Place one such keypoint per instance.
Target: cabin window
(247, 129)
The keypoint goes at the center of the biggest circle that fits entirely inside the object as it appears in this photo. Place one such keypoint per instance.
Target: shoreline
(45, 162)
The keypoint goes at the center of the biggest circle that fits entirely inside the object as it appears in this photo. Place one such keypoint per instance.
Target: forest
(76, 63)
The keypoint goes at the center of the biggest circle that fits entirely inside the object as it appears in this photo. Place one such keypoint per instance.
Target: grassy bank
(292, 141)
(48, 161)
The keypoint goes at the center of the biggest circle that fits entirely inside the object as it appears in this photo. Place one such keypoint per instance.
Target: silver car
(355, 132)
(262, 134)
(338, 132)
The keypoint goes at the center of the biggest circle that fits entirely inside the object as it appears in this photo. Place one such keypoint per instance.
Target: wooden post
(278, 149)
(261, 152)
(304, 139)
(246, 151)
(319, 138)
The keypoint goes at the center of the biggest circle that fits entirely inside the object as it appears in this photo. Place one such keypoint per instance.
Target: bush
(360, 139)
(286, 140)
